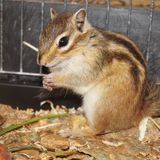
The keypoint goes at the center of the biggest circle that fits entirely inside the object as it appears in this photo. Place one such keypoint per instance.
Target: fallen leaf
(4, 154)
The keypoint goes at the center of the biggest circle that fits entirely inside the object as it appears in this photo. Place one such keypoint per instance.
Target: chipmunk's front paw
(48, 82)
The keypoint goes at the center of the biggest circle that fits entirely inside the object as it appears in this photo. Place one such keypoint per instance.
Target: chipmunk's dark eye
(63, 42)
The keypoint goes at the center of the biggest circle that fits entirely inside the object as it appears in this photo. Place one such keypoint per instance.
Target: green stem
(30, 121)
(31, 147)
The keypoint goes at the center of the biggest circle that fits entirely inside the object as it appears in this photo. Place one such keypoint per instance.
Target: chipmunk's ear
(53, 13)
(80, 19)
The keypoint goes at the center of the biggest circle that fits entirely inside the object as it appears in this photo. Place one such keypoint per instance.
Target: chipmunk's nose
(41, 61)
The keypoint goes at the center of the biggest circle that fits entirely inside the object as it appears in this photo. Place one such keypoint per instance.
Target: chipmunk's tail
(152, 100)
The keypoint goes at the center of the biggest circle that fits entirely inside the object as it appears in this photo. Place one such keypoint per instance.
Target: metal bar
(152, 5)
(1, 35)
(30, 46)
(42, 14)
(129, 17)
(22, 73)
(86, 5)
(42, 24)
(21, 41)
(65, 5)
(107, 14)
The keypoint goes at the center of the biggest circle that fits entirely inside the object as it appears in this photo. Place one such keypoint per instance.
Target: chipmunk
(105, 67)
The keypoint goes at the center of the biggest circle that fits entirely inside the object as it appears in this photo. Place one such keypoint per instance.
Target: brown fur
(110, 66)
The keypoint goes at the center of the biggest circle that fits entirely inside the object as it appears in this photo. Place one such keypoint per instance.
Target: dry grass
(63, 138)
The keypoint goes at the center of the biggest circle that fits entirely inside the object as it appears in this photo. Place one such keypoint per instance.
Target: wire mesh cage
(23, 20)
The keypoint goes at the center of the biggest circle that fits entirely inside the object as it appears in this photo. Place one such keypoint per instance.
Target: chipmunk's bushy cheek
(76, 64)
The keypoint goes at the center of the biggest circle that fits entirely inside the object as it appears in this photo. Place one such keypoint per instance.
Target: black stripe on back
(134, 70)
(125, 43)
(108, 57)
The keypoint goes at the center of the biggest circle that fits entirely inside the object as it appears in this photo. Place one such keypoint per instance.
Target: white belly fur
(89, 104)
